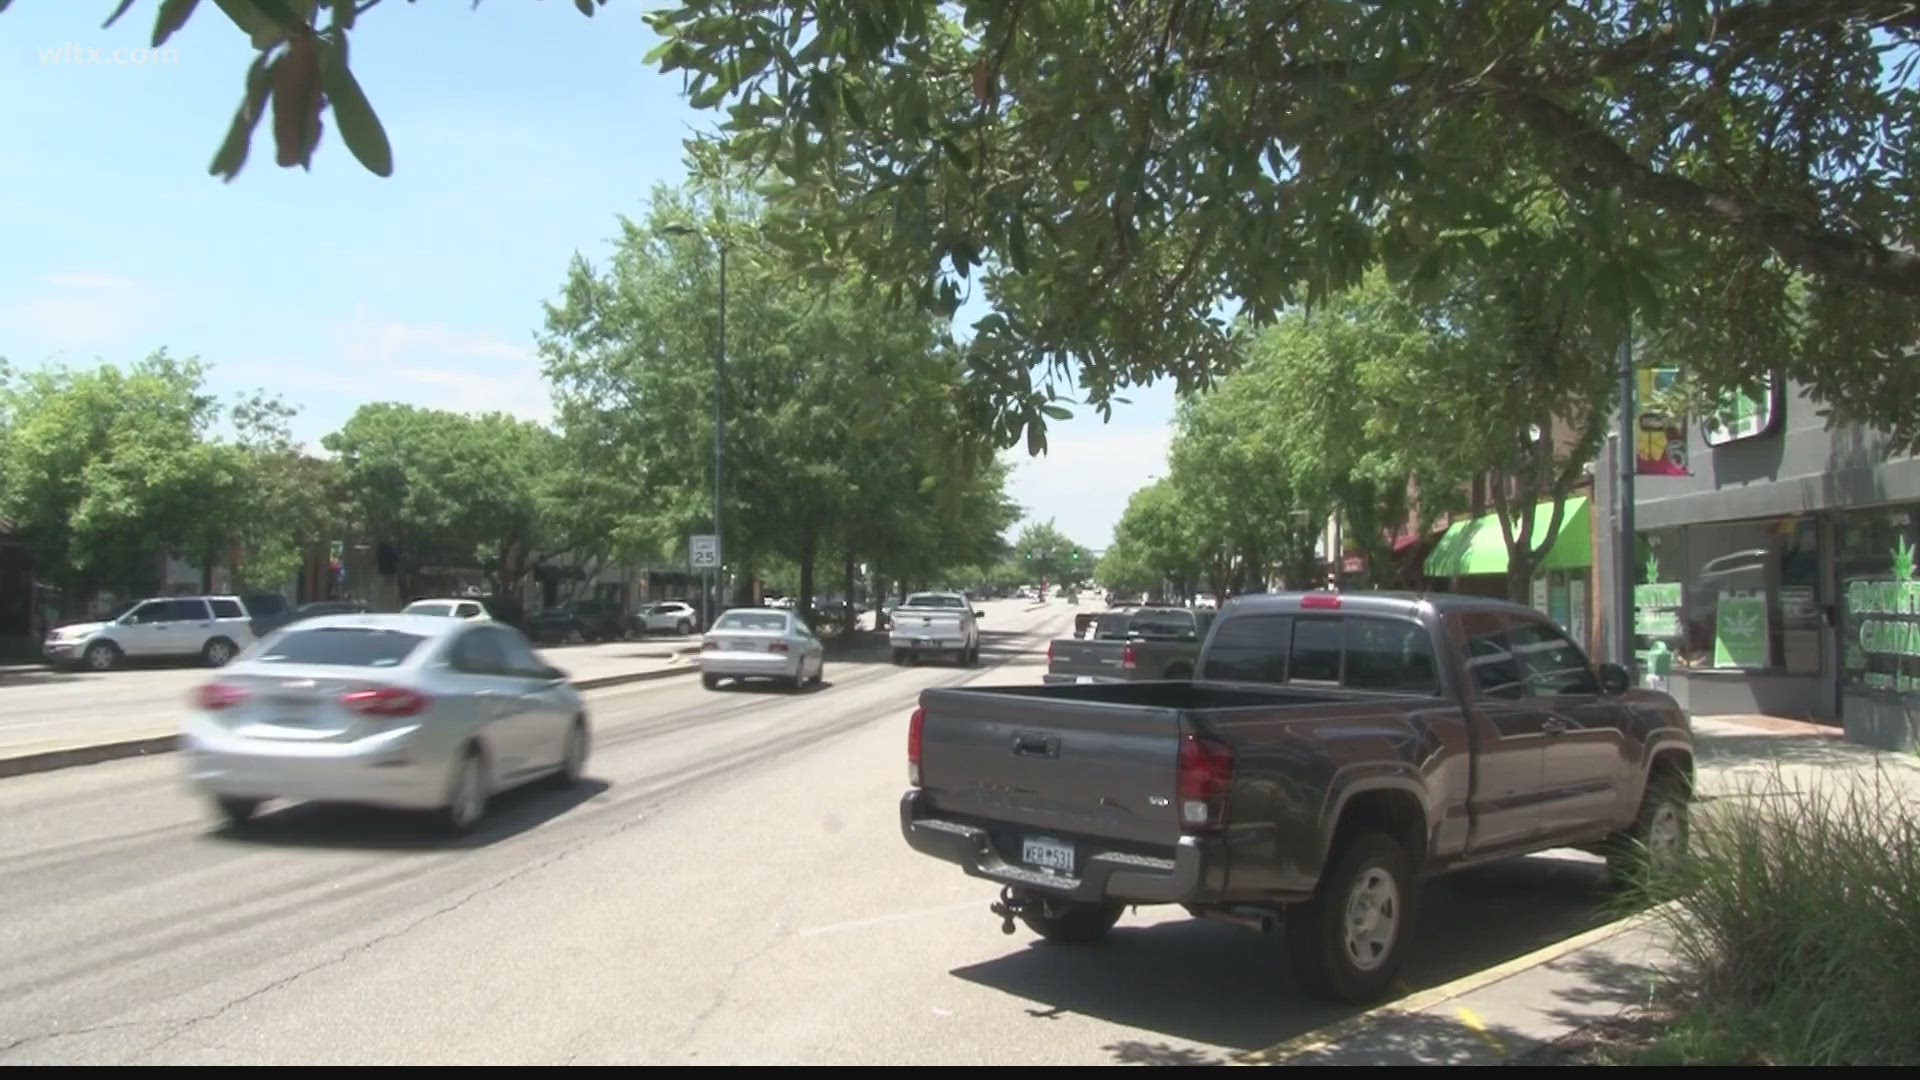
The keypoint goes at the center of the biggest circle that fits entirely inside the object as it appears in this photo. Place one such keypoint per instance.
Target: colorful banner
(1661, 443)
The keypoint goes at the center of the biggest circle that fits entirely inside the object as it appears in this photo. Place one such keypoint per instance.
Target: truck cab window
(1252, 648)
(1390, 655)
(1554, 665)
(1317, 646)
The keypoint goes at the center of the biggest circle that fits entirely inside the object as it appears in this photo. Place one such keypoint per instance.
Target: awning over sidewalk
(1475, 546)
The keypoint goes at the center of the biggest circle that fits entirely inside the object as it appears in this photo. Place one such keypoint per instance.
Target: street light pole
(720, 433)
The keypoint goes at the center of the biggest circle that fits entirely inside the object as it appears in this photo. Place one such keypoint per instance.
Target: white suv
(213, 628)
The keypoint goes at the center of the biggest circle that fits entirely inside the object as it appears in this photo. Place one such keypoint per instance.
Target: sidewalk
(1496, 1016)
(56, 720)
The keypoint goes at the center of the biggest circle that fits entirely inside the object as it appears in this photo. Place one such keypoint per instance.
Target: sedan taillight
(779, 647)
(386, 701)
(216, 696)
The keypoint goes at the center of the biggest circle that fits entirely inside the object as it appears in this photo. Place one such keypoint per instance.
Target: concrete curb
(1334, 1034)
(52, 760)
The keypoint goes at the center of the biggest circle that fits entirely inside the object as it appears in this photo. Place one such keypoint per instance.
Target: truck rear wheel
(1072, 922)
(1347, 943)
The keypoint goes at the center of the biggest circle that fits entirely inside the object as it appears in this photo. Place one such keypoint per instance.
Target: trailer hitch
(1008, 907)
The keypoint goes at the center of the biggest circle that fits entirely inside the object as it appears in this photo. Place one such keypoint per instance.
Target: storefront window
(1880, 643)
(1752, 598)
(1660, 594)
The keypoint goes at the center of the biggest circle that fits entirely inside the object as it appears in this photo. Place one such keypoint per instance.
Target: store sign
(1741, 630)
(1884, 625)
(1747, 416)
(1656, 604)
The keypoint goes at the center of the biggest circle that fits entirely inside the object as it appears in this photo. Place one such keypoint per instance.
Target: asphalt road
(730, 888)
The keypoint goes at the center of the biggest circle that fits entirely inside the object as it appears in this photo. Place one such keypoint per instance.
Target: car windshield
(339, 646)
(742, 620)
(935, 600)
(430, 609)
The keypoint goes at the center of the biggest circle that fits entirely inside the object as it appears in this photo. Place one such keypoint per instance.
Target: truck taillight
(1205, 778)
(1129, 657)
(916, 730)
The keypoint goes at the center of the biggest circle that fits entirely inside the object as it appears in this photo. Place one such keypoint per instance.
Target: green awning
(1476, 546)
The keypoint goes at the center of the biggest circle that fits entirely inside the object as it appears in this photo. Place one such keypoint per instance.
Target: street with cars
(725, 882)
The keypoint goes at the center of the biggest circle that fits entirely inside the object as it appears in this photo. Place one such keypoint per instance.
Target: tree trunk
(1520, 578)
(852, 614)
(803, 606)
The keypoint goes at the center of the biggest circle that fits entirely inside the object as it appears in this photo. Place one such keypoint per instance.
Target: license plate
(922, 641)
(1082, 680)
(1047, 854)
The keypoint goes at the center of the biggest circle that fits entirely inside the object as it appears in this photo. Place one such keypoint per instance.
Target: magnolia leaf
(359, 126)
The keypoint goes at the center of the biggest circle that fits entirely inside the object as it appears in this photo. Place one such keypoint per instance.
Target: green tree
(838, 428)
(287, 503)
(448, 488)
(110, 470)
(1044, 552)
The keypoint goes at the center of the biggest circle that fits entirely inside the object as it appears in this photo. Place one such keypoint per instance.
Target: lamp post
(719, 421)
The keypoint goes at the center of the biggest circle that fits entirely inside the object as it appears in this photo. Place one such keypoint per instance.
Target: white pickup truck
(936, 623)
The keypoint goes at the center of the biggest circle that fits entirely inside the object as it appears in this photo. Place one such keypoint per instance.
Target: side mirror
(1615, 679)
(979, 614)
(555, 674)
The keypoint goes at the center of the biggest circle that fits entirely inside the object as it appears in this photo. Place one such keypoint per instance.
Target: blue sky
(334, 288)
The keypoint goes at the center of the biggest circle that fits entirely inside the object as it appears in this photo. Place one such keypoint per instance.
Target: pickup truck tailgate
(1069, 768)
(1074, 656)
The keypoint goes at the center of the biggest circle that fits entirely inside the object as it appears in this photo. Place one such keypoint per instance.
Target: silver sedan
(403, 711)
(762, 643)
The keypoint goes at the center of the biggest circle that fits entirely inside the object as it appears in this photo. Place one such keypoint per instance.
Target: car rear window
(429, 609)
(738, 621)
(340, 646)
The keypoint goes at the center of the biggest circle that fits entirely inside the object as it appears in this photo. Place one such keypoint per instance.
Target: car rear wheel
(1347, 943)
(237, 812)
(711, 682)
(467, 802)
(1072, 922)
(217, 652)
(685, 628)
(573, 760)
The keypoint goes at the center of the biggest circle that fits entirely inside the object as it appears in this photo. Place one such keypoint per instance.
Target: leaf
(253, 104)
(359, 127)
(111, 19)
(585, 6)
(258, 27)
(1036, 439)
(173, 15)
(1058, 412)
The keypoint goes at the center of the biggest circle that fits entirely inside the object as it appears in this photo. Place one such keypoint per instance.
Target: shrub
(1796, 924)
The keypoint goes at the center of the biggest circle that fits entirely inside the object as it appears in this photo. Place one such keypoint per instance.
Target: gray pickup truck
(1131, 645)
(1331, 749)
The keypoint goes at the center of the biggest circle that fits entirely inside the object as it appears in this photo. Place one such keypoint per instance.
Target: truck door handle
(1553, 725)
(1036, 746)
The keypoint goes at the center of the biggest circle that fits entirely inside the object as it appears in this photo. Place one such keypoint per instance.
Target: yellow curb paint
(1479, 1027)
(1341, 1030)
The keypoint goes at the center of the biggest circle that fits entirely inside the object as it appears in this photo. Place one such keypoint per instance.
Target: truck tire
(1347, 943)
(1659, 836)
(1072, 922)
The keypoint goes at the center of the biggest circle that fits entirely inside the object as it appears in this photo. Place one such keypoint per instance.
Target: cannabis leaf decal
(1653, 569)
(1903, 560)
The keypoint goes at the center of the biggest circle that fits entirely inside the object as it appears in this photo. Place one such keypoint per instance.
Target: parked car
(579, 620)
(762, 643)
(466, 609)
(672, 617)
(211, 628)
(935, 623)
(404, 711)
(1330, 748)
(1127, 645)
(318, 608)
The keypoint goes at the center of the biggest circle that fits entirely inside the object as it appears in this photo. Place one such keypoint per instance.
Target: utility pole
(1626, 461)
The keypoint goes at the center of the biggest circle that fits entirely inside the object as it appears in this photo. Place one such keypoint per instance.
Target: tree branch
(1761, 20)
(1830, 253)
